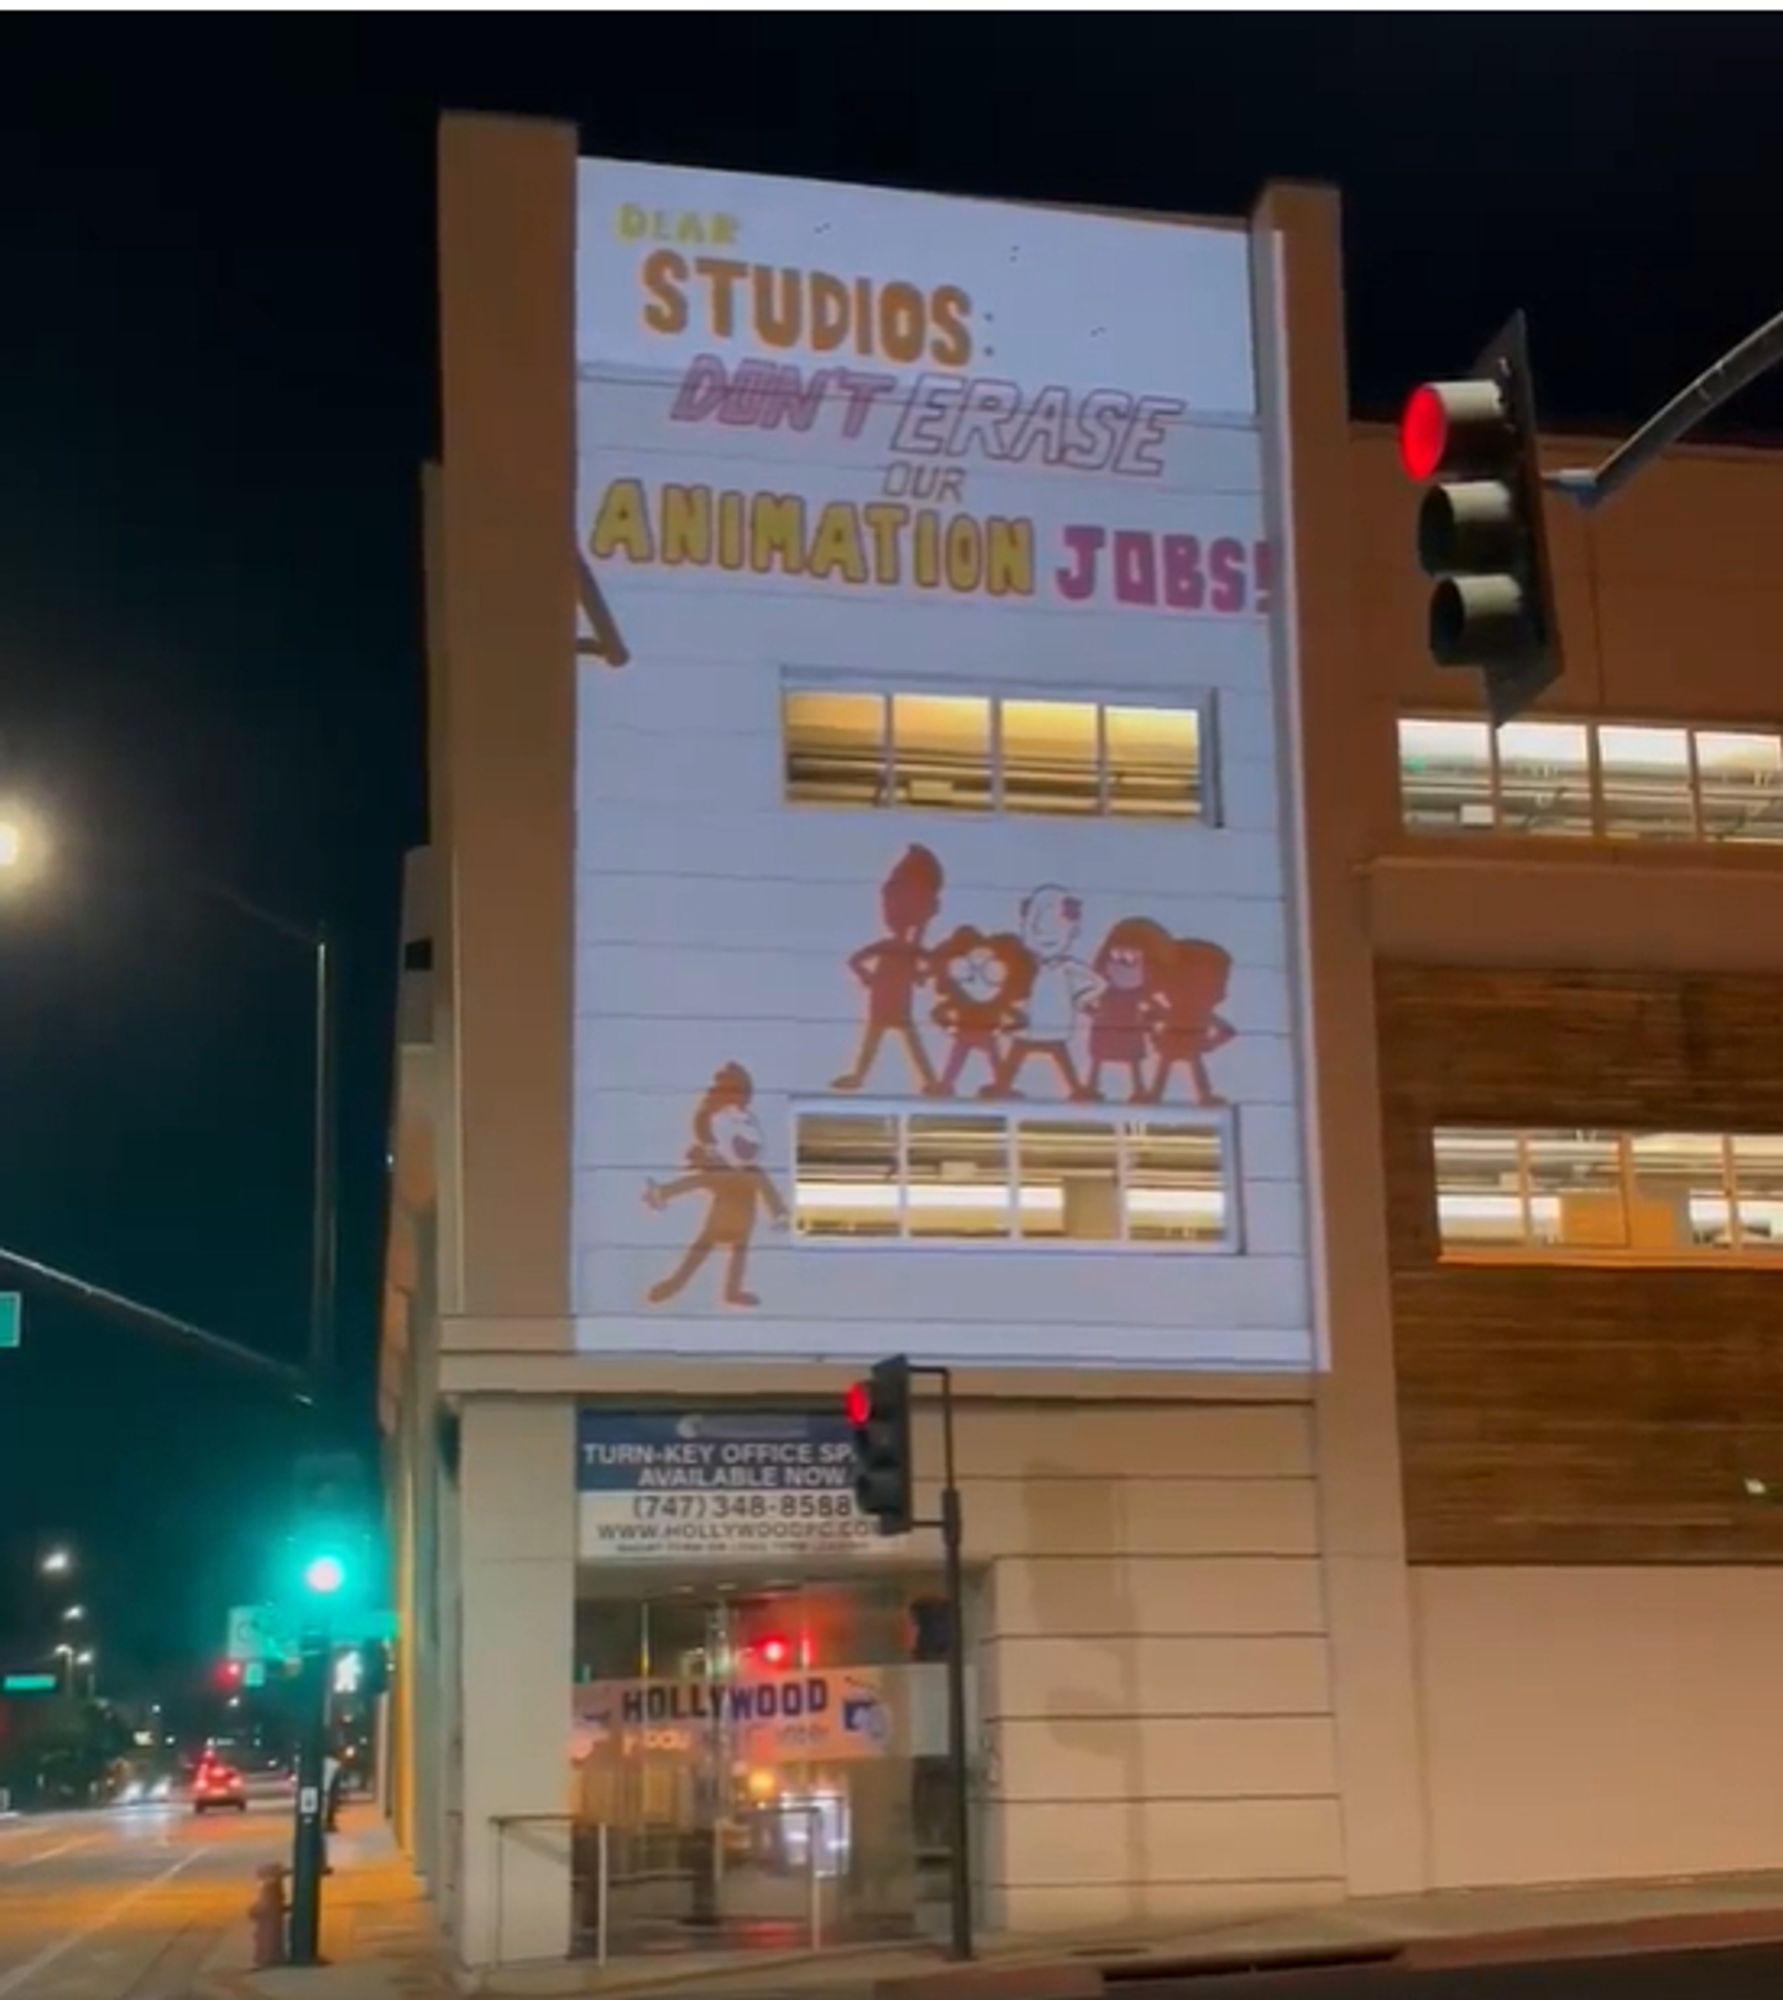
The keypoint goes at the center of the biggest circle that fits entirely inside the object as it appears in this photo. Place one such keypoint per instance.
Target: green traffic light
(324, 1575)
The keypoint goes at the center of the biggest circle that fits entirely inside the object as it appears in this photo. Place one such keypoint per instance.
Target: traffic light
(879, 1411)
(1480, 525)
(332, 1543)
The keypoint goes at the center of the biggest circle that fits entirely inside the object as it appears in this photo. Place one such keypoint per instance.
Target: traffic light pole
(952, 1528)
(308, 1845)
(1591, 486)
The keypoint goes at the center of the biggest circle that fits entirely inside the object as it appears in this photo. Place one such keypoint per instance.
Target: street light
(74, 1613)
(25, 847)
(57, 1562)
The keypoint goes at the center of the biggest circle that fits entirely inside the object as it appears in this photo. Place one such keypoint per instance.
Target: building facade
(954, 853)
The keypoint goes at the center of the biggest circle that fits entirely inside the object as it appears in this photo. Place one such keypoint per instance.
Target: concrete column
(1340, 737)
(518, 1572)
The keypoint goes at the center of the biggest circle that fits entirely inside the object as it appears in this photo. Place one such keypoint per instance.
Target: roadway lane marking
(50, 1853)
(12, 1981)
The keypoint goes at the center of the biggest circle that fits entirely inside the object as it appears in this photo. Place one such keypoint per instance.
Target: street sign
(28, 1684)
(268, 1632)
(259, 1632)
(12, 1319)
(253, 1674)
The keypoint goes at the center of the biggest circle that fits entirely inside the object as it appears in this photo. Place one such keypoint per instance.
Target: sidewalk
(1457, 1927)
(379, 1940)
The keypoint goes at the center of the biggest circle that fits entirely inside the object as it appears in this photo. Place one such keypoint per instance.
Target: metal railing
(502, 1825)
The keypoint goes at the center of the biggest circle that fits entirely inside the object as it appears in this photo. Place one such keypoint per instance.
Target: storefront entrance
(758, 1763)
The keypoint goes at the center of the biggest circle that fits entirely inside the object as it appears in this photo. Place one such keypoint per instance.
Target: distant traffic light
(879, 1413)
(1480, 525)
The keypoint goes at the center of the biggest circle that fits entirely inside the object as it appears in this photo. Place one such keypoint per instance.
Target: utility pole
(309, 1841)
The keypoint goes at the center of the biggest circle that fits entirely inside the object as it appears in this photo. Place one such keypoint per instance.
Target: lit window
(1016, 753)
(1176, 1188)
(1051, 757)
(1646, 1197)
(957, 1176)
(1054, 1178)
(1618, 780)
(1575, 1190)
(1544, 778)
(1758, 1189)
(1739, 776)
(941, 752)
(1445, 775)
(1678, 1186)
(1154, 762)
(1645, 774)
(1479, 1188)
(1070, 1181)
(848, 1176)
(835, 747)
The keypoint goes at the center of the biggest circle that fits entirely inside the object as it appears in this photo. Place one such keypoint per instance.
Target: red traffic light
(775, 1651)
(1423, 432)
(229, 1673)
(858, 1403)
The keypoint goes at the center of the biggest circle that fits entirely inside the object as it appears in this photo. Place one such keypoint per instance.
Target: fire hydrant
(266, 1913)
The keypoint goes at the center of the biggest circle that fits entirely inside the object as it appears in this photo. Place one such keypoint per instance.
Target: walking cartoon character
(1132, 966)
(1189, 1027)
(1063, 989)
(894, 967)
(981, 984)
(726, 1161)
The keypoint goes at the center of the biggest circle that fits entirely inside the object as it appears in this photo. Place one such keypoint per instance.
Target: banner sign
(838, 1715)
(711, 1484)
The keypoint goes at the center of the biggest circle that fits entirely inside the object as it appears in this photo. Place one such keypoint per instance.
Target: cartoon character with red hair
(1188, 1027)
(726, 1160)
(894, 967)
(1132, 966)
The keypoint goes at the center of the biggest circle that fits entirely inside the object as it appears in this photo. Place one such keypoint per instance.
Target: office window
(1175, 1185)
(1739, 778)
(1445, 775)
(929, 751)
(1611, 780)
(1053, 1178)
(1645, 776)
(848, 1176)
(1154, 762)
(835, 746)
(1070, 1183)
(1479, 1189)
(1052, 756)
(1544, 778)
(956, 1176)
(1647, 1197)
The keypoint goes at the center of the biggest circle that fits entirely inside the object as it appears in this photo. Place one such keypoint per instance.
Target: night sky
(217, 384)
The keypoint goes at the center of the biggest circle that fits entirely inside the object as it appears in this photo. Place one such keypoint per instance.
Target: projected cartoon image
(1022, 1005)
(725, 1159)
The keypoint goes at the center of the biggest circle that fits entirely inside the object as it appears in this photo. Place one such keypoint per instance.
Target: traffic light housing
(332, 1542)
(879, 1417)
(1481, 534)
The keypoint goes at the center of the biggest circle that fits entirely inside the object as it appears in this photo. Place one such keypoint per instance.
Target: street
(127, 1904)
(1737, 1972)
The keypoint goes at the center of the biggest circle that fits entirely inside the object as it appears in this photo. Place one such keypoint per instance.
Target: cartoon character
(1131, 966)
(893, 967)
(1188, 1027)
(981, 983)
(725, 1157)
(1063, 988)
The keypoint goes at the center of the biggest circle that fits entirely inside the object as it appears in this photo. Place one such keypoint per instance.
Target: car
(218, 1788)
(145, 1792)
